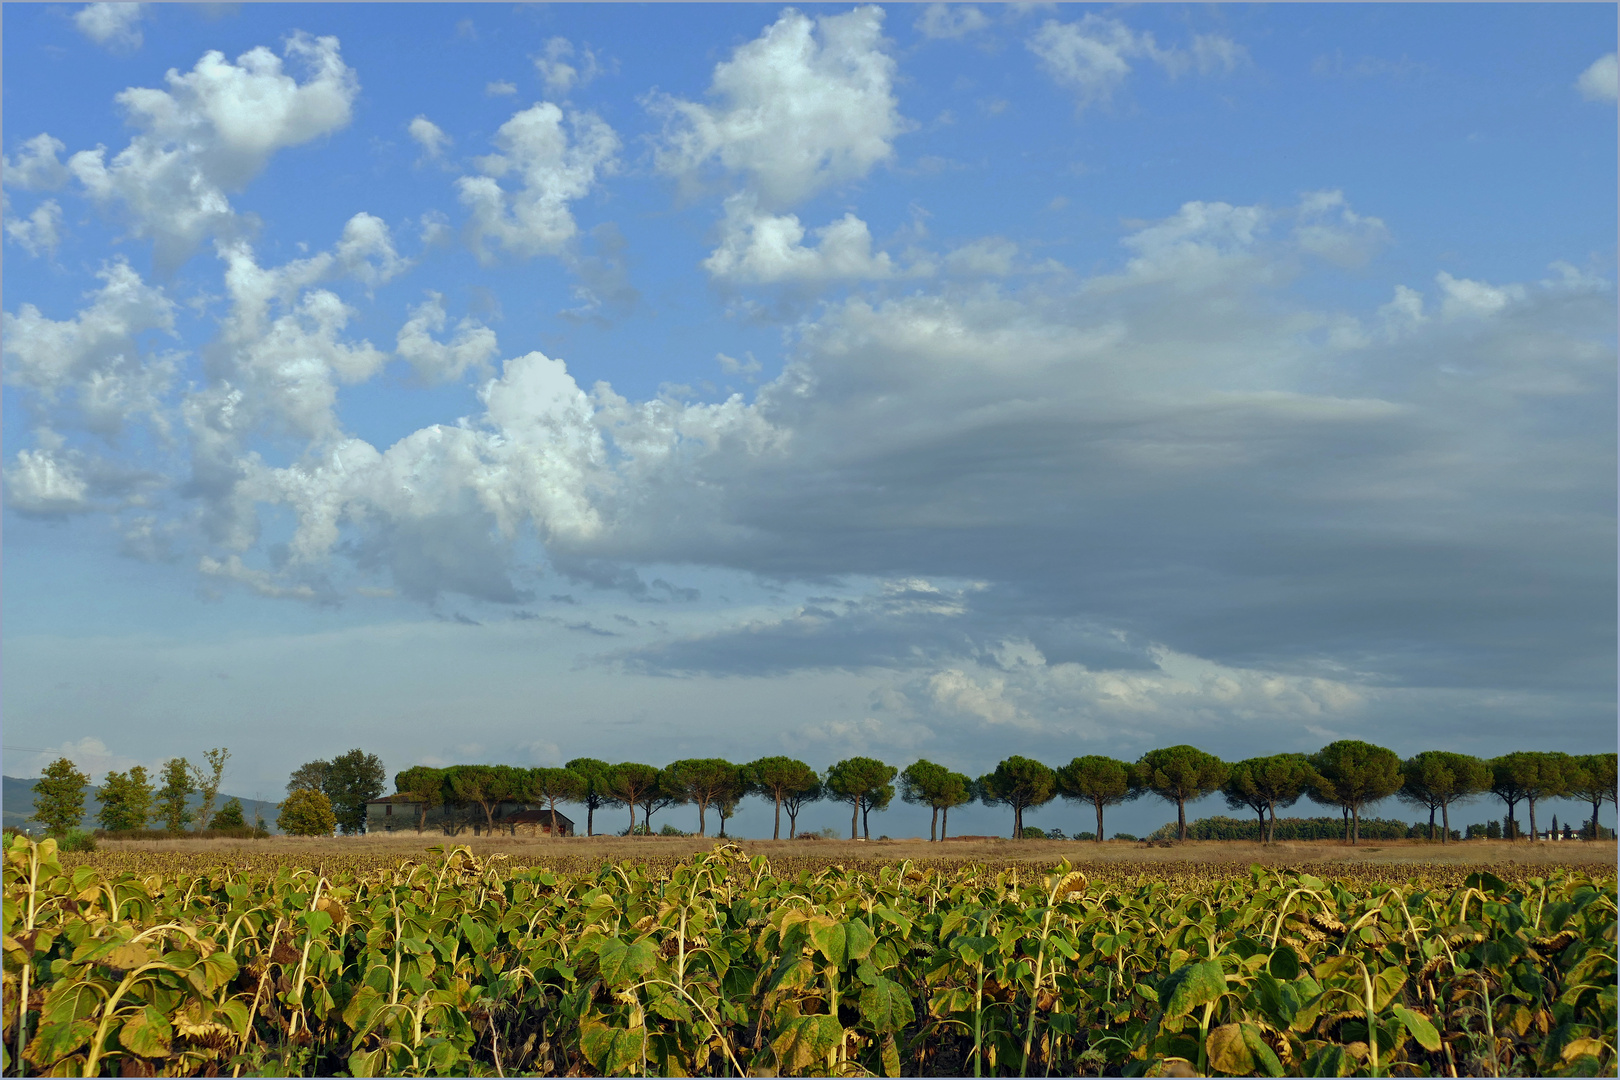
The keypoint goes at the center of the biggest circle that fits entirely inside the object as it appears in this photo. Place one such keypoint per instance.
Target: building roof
(536, 817)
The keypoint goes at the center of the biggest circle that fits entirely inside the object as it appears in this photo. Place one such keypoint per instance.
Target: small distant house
(536, 823)
(401, 813)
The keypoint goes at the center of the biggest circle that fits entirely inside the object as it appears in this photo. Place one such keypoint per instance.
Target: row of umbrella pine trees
(1348, 774)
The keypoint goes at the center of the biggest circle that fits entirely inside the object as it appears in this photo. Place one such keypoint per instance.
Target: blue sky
(640, 382)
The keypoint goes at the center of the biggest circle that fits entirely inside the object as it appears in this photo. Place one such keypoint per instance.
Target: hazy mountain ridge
(18, 796)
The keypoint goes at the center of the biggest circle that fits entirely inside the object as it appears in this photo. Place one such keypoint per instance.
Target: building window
(388, 811)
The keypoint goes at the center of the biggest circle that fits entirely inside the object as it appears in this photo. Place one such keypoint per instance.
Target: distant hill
(19, 805)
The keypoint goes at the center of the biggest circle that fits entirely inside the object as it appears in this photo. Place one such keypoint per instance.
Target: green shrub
(1126, 836)
(77, 840)
(1030, 832)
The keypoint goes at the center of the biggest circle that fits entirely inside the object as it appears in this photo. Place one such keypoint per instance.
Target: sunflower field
(722, 965)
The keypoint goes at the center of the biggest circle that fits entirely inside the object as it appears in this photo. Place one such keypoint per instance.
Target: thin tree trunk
(1532, 802)
(590, 818)
(1346, 812)
(1262, 832)
(1181, 819)
(1018, 822)
(793, 823)
(945, 819)
(776, 833)
(1355, 813)
(703, 829)
(933, 826)
(1099, 820)
(632, 831)
(1596, 805)
(866, 821)
(1431, 824)
(855, 820)
(1445, 823)
(553, 819)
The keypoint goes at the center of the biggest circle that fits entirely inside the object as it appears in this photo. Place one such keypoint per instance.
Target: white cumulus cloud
(40, 232)
(950, 21)
(429, 136)
(761, 248)
(1092, 56)
(553, 166)
(472, 348)
(805, 106)
(36, 167)
(115, 26)
(559, 74)
(1601, 81)
(210, 133)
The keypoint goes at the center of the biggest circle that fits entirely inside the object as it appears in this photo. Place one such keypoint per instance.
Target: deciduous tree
(59, 796)
(229, 816)
(354, 779)
(1099, 780)
(1019, 783)
(172, 796)
(864, 783)
(126, 800)
(1356, 774)
(306, 812)
(779, 778)
(1180, 774)
(208, 781)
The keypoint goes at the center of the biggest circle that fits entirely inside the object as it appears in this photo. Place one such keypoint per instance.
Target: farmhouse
(404, 813)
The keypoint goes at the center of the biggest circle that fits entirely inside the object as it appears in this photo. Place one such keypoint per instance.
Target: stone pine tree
(1021, 784)
(705, 781)
(59, 796)
(925, 783)
(666, 792)
(1435, 779)
(797, 798)
(126, 800)
(779, 779)
(958, 791)
(1356, 774)
(1180, 774)
(552, 786)
(596, 795)
(1592, 780)
(173, 796)
(425, 785)
(1531, 775)
(1098, 780)
(628, 783)
(1264, 784)
(864, 783)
